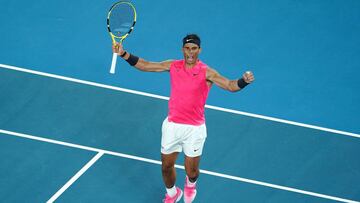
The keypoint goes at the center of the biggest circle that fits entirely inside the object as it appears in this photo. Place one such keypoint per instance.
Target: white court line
(101, 152)
(75, 177)
(167, 98)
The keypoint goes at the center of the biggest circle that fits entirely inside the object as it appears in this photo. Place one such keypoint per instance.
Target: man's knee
(166, 167)
(167, 164)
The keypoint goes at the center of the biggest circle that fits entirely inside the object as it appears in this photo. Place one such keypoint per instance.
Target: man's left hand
(248, 77)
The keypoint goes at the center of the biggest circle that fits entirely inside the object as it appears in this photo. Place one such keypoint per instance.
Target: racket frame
(119, 38)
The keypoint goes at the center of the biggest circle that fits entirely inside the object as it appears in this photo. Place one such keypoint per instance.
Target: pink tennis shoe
(174, 199)
(189, 191)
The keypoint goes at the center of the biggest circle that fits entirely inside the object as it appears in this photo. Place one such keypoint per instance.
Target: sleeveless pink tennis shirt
(189, 92)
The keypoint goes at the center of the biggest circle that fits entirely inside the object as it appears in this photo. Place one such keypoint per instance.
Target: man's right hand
(118, 48)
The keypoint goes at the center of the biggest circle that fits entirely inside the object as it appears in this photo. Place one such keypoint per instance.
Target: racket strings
(121, 19)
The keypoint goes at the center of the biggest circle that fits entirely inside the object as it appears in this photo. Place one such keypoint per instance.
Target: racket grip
(113, 63)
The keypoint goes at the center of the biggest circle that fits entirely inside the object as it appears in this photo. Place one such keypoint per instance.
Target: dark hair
(192, 38)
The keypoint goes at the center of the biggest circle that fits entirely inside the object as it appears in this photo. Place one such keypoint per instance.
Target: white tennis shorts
(177, 137)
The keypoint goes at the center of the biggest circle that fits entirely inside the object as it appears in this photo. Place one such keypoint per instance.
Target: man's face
(191, 52)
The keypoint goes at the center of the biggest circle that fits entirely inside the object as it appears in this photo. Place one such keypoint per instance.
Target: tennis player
(184, 128)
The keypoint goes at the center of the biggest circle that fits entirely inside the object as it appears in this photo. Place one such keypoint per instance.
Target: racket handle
(113, 63)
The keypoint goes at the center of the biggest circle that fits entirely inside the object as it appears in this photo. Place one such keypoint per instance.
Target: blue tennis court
(72, 132)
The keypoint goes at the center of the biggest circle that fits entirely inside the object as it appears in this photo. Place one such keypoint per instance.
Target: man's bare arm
(142, 64)
(149, 66)
(226, 84)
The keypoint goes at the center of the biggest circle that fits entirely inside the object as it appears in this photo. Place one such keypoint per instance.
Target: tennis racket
(121, 20)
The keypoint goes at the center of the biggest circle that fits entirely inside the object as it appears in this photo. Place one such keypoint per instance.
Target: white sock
(189, 183)
(171, 191)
